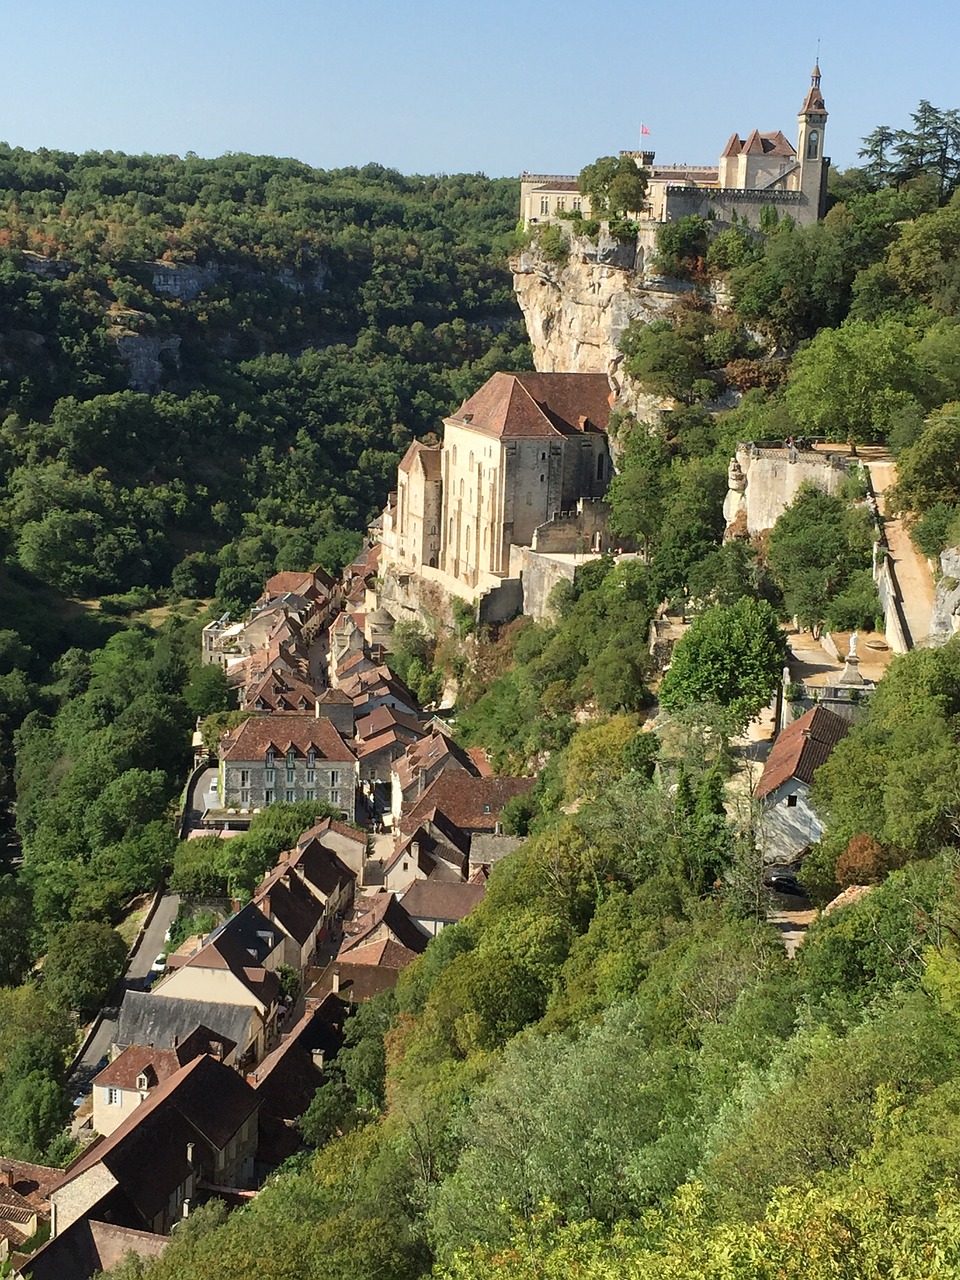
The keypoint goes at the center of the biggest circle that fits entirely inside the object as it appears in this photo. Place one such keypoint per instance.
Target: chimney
(6, 1178)
(318, 1056)
(316, 708)
(336, 981)
(191, 1147)
(185, 1210)
(53, 1218)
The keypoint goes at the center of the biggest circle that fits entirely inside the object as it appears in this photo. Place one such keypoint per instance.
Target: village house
(348, 843)
(421, 763)
(199, 1127)
(132, 1076)
(434, 904)
(436, 850)
(287, 757)
(303, 895)
(474, 805)
(161, 1022)
(790, 824)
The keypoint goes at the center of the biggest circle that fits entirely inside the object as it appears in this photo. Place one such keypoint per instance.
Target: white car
(160, 964)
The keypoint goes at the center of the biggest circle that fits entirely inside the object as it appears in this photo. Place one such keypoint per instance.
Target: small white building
(790, 824)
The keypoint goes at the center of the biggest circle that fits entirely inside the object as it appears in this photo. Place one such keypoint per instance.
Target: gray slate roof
(163, 1021)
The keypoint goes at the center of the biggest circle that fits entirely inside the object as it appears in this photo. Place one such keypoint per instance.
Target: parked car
(784, 882)
(160, 964)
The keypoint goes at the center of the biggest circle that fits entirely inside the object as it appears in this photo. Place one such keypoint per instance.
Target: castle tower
(811, 129)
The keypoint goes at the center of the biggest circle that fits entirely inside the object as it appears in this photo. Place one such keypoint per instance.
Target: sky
(443, 86)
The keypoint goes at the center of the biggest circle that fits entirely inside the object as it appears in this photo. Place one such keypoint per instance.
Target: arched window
(813, 144)
(454, 455)
(461, 488)
(471, 459)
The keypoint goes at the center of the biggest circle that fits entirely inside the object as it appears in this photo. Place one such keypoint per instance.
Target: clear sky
(434, 86)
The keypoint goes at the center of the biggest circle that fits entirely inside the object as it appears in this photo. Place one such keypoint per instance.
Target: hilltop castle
(763, 169)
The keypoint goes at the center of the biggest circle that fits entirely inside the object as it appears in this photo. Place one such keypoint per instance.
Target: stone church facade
(762, 169)
(525, 450)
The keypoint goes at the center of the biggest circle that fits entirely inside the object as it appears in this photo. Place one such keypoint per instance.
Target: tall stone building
(521, 451)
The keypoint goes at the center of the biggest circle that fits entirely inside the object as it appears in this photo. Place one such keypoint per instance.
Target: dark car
(784, 882)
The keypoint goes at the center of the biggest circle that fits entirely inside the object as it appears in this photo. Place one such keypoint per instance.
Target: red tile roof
(516, 405)
(427, 456)
(442, 900)
(156, 1064)
(281, 731)
(376, 722)
(389, 954)
(802, 747)
(472, 804)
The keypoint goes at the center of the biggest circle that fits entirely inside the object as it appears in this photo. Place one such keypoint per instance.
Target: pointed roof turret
(814, 99)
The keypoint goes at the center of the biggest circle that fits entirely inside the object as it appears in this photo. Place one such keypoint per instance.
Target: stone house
(436, 850)
(473, 805)
(287, 757)
(199, 1125)
(348, 843)
(303, 895)
(434, 904)
(423, 762)
(790, 824)
(126, 1082)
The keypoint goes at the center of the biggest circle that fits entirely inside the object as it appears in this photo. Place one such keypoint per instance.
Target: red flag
(644, 131)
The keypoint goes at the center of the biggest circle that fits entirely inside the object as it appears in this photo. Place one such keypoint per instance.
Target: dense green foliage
(314, 322)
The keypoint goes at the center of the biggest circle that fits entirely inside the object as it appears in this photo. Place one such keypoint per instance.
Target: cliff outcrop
(945, 619)
(576, 311)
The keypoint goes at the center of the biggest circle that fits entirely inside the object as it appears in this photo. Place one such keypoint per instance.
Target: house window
(113, 1097)
(311, 775)
(271, 759)
(269, 797)
(244, 777)
(291, 758)
(334, 797)
(544, 204)
(311, 758)
(311, 795)
(291, 775)
(245, 796)
(269, 777)
(543, 457)
(334, 778)
(542, 478)
(577, 204)
(291, 796)
(791, 802)
(405, 866)
(561, 204)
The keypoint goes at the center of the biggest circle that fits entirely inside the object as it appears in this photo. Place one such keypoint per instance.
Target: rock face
(945, 620)
(147, 360)
(576, 312)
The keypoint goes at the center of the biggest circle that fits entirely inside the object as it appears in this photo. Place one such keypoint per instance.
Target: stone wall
(764, 480)
(539, 574)
(576, 532)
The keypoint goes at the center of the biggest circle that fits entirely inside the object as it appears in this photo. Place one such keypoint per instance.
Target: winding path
(910, 567)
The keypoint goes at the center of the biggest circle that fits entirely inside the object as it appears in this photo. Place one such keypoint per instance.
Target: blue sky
(430, 86)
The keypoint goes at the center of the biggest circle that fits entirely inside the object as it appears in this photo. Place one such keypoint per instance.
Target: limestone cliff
(577, 311)
(945, 620)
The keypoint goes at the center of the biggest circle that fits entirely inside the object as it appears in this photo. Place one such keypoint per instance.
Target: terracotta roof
(472, 804)
(282, 730)
(14, 1207)
(31, 1181)
(278, 692)
(760, 144)
(441, 900)
(390, 740)
(334, 697)
(376, 722)
(802, 747)
(427, 456)
(380, 909)
(431, 753)
(88, 1247)
(516, 405)
(325, 825)
(358, 982)
(136, 1060)
(814, 99)
(480, 762)
(389, 954)
(294, 583)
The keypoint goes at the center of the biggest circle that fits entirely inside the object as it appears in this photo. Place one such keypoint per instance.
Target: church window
(544, 204)
(542, 477)
(471, 459)
(813, 144)
(543, 457)
(454, 453)
(461, 488)
(484, 537)
(466, 541)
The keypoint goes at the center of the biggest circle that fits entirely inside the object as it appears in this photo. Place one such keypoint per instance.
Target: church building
(521, 451)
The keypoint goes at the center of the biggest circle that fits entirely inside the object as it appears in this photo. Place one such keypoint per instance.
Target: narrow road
(150, 947)
(201, 796)
(910, 567)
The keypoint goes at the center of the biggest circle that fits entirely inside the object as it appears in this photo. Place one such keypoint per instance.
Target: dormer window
(271, 757)
(291, 758)
(311, 758)
(142, 1084)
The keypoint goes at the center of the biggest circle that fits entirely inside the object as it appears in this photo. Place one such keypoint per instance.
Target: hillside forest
(611, 1068)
